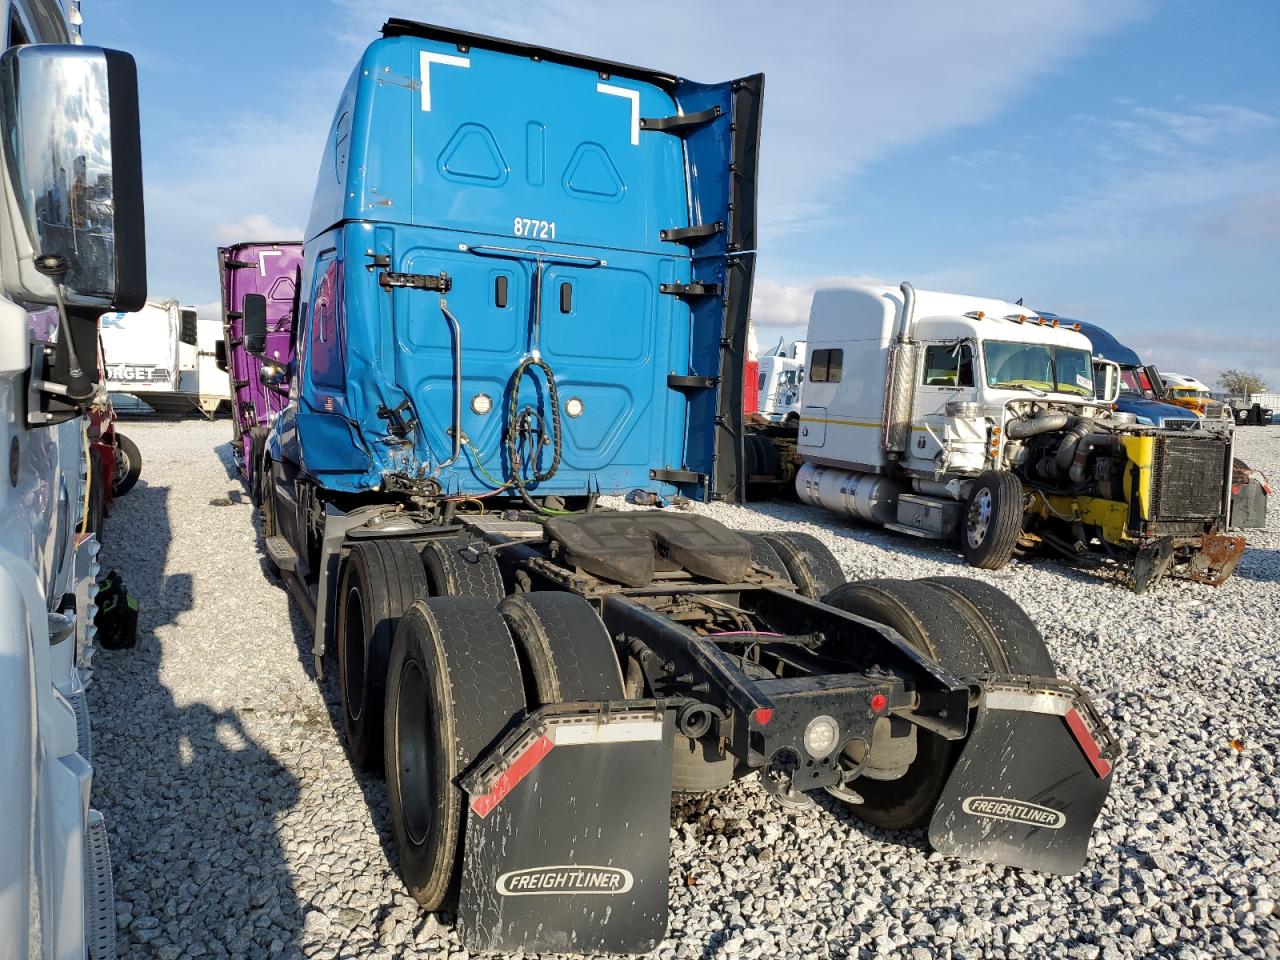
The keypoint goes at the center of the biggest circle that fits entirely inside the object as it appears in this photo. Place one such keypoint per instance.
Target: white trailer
(71, 246)
(164, 355)
(945, 416)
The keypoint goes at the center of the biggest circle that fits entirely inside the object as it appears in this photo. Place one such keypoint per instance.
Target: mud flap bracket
(566, 839)
(1031, 779)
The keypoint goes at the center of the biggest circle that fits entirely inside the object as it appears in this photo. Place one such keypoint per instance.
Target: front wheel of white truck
(992, 520)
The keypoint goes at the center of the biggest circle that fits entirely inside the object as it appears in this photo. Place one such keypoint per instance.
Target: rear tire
(992, 520)
(763, 554)
(253, 469)
(807, 561)
(128, 466)
(1016, 643)
(932, 623)
(452, 689)
(380, 580)
(564, 646)
(454, 569)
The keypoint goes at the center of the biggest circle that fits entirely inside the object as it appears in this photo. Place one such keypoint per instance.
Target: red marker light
(762, 715)
(878, 702)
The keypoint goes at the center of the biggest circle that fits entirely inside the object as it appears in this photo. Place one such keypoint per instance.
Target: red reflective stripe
(1101, 766)
(523, 765)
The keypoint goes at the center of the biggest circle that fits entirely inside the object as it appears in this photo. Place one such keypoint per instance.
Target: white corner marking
(634, 97)
(262, 259)
(427, 58)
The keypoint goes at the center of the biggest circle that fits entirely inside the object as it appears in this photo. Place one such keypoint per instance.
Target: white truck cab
(939, 415)
(71, 246)
(970, 359)
(780, 380)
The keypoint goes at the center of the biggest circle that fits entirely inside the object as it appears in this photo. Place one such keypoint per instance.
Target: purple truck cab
(270, 270)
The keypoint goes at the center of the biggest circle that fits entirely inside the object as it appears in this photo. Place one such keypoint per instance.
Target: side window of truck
(326, 346)
(948, 365)
(826, 366)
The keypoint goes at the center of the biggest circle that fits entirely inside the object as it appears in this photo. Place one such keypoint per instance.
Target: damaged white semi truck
(956, 417)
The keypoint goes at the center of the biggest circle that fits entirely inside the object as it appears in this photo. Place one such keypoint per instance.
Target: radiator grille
(1188, 477)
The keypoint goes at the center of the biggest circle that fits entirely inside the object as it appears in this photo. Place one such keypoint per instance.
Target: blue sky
(1117, 161)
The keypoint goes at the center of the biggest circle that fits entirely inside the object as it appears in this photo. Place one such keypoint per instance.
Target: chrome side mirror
(73, 158)
(1108, 390)
(273, 375)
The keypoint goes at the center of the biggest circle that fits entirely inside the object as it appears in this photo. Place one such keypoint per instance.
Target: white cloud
(249, 179)
(256, 226)
(776, 304)
(846, 84)
(209, 311)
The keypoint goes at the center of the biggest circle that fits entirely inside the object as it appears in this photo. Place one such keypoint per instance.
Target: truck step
(100, 900)
(281, 554)
(914, 531)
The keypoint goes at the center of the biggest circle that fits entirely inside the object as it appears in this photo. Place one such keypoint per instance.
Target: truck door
(946, 375)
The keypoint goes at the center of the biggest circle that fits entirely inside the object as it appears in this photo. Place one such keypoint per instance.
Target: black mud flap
(567, 833)
(1031, 779)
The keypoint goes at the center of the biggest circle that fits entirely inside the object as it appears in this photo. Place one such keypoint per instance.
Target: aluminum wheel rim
(979, 519)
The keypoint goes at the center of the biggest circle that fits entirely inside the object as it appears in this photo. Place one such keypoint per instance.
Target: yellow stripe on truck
(870, 424)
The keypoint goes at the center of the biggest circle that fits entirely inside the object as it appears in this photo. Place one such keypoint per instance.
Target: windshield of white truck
(1037, 367)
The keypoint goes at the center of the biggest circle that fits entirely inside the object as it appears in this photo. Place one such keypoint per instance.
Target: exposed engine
(1070, 454)
(1102, 482)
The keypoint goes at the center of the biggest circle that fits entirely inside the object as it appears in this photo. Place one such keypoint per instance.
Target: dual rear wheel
(967, 627)
(430, 681)
(433, 670)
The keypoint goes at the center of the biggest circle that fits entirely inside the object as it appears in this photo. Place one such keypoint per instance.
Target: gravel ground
(239, 828)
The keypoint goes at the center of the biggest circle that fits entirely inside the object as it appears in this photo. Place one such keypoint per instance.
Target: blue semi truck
(526, 284)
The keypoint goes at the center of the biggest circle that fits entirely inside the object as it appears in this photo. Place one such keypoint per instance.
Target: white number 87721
(534, 229)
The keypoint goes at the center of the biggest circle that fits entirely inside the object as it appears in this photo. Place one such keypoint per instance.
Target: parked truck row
(533, 672)
(427, 414)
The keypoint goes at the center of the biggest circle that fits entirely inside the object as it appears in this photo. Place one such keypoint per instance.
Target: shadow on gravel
(191, 799)
(226, 457)
(372, 784)
(1259, 564)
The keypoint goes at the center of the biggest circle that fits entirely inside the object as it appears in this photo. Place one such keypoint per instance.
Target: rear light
(878, 702)
(1088, 745)
(762, 715)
